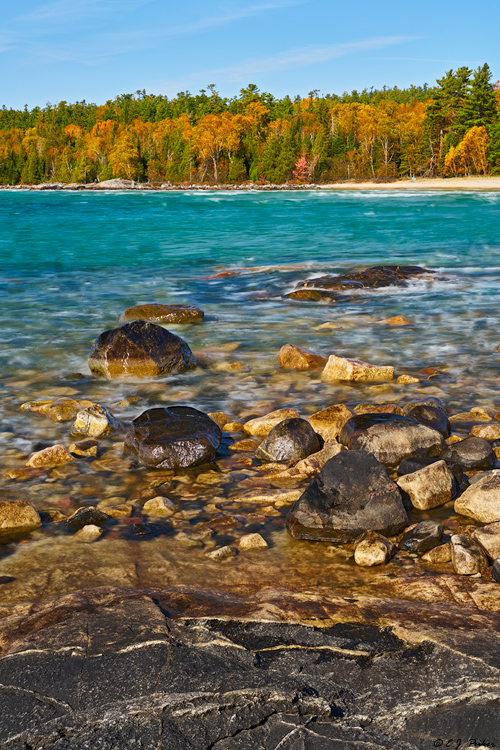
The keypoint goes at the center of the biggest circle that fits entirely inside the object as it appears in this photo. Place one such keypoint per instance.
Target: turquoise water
(71, 262)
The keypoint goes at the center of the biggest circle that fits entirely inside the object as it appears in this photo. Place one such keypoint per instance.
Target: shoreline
(434, 183)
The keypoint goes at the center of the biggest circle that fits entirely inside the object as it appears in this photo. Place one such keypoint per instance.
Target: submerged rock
(371, 278)
(390, 437)
(289, 442)
(139, 349)
(54, 455)
(87, 516)
(352, 494)
(174, 437)
(163, 313)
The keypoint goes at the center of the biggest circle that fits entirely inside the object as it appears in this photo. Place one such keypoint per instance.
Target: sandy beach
(421, 183)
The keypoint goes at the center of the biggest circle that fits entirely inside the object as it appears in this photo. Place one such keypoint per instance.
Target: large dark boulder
(289, 442)
(473, 454)
(352, 494)
(139, 349)
(390, 437)
(431, 416)
(371, 278)
(173, 438)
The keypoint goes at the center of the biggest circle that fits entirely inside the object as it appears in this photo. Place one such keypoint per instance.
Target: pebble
(158, 506)
(87, 534)
(222, 553)
(252, 541)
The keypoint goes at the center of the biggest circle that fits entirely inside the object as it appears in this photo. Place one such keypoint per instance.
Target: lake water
(72, 262)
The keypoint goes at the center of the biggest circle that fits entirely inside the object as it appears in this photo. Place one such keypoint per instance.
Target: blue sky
(96, 49)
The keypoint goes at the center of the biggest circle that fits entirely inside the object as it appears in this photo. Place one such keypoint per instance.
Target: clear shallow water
(71, 263)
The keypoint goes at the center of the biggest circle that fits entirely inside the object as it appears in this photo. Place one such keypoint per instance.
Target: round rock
(139, 349)
(473, 453)
(173, 437)
(289, 442)
(431, 416)
(163, 313)
(423, 537)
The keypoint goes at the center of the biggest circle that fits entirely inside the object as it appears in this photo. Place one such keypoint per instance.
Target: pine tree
(479, 105)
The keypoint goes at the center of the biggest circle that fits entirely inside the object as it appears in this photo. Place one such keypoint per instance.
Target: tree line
(450, 129)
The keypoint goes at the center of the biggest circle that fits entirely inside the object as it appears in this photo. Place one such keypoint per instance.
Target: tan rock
(129, 401)
(453, 439)
(222, 553)
(315, 462)
(470, 416)
(88, 447)
(158, 506)
(95, 421)
(17, 516)
(293, 357)
(252, 541)
(277, 497)
(481, 501)
(489, 538)
(467, 556)
(163, 313)
(429, 487)
(119, 511)
(87, 534)
(378, 409)
(219, 418)
(486, 431)
(57, 410)
(23, 475)
(231, 366)
(54, 455)
(343, 368)
(262, 426)
(441, 554)
(329, 422)
(406, 380)
(373, 549)
(244, 445)
(398, 320)
(233, 427)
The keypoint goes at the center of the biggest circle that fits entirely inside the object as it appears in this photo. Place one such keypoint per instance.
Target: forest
(448, 130)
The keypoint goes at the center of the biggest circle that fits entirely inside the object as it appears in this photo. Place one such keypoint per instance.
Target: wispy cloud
(288, 60)
(418, 59)
(63, 11)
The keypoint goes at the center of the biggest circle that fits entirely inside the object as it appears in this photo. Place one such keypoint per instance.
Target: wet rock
(139, 349)
(398, 320)
(86, 516)
(57, 410)
(163, 313)
(262, 426)
(495, 570)
(289, 442)
(410, 465)
(119, 511)
(431, 416)
(423, 537)
(390, 437)
(85, 448)
(55, 455)
(488, 537)
(371, 278)
(88, 533)
(343, 368)
(351, 494)
(17, 516)
(467, 556)
(158, 506)
(222, 553)
(430, 486)
(378, 409)
(430, 401)
(486, 431)
(481, 500)
(315, 462)
(244, 445)
(252, 541)
(219, 417)
(174, 437)
(329, 422)
(406, 379)
(439, 555)
(95, 421)
(473, 453)
(293, 357)
(373, 549)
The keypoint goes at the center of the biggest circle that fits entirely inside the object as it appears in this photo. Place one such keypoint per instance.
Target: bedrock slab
(115, 668)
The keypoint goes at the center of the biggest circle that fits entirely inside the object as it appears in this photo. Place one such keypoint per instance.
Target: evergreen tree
(478, 107)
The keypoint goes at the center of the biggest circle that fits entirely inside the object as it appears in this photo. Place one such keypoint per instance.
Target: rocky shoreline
(380, 604)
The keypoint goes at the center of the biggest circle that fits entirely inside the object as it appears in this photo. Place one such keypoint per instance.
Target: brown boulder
(343, 368)
(139, 349)
(163, 313)
(293, 357)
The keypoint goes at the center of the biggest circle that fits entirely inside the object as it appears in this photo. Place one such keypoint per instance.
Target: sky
(94, 50)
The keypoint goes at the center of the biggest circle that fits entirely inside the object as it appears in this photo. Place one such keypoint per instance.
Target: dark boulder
(429, 401)
(495, 570)
(174, 437)
(423, 537)
(289, 442)
(371, 278)
(85, 516)
(431, 416)
(473, 454)
(390, 437)
(139, 349)
(352, 494)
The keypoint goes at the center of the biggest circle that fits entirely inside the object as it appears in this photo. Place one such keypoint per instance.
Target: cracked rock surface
(116, 668)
